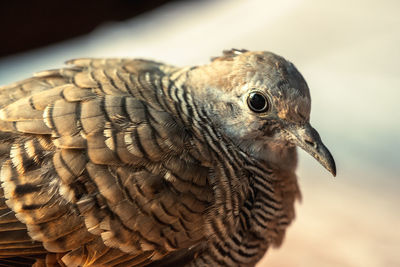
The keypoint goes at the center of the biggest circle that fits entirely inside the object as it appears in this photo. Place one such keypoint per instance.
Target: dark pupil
(257, 101)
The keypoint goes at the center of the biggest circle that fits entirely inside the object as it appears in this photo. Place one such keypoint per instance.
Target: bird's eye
(257, 102)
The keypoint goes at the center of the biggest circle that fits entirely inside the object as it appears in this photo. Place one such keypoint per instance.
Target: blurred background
(348, 51)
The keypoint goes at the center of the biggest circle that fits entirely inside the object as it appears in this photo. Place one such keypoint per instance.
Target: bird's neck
(254, 204)
(254, 193)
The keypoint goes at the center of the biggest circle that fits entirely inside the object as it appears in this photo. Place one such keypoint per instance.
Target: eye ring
(258, 102)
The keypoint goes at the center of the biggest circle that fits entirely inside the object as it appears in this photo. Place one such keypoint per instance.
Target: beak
(308, 139)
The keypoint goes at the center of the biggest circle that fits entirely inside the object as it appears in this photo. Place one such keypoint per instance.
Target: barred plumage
(118, 162)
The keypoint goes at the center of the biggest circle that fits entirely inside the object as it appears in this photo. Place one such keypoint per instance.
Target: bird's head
(262, 103)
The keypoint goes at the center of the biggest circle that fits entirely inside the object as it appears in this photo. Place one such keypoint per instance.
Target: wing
(98, 166)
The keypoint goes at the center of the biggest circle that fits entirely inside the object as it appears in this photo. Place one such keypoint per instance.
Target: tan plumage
(117, 162)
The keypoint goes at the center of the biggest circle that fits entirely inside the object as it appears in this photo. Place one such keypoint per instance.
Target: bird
(133, 162)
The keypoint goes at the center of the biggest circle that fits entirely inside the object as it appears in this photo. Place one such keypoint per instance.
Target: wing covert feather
(97, 169)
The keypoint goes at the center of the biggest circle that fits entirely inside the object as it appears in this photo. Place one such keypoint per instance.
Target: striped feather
(118, 162)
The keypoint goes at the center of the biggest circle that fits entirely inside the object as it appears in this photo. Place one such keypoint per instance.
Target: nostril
(311, 143)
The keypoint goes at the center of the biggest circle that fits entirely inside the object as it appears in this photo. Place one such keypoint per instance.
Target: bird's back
(96, 169)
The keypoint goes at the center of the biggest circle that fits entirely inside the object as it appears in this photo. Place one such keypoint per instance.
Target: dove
(132, 162)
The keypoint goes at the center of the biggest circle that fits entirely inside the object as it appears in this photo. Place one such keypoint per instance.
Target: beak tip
(332, 167)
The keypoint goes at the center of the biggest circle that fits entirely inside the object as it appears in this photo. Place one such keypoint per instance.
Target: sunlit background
(349, 53)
